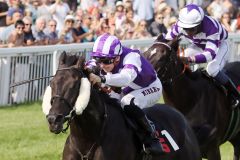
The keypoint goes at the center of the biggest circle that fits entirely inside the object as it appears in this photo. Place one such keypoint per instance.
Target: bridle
(72, 114)
(171, 59)
(68, 118)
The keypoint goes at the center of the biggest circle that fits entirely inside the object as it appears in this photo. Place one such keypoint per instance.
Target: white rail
(24, 63)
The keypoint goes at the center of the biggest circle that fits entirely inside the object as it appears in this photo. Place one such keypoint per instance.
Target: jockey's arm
(122, 79)
(173, 32)
(210, 51)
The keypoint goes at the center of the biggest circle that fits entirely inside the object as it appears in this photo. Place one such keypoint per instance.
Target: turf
(24, 135)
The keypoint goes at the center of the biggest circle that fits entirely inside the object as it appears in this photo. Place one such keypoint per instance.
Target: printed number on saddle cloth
(166, 139)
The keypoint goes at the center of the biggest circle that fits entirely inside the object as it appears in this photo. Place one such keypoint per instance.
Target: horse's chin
(56, 128)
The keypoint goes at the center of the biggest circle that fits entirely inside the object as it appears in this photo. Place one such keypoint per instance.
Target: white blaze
(81, 102)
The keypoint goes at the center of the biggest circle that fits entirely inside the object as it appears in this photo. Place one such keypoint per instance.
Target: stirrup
(235, 103)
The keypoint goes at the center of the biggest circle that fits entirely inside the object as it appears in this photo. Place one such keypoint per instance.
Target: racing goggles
(105, 60)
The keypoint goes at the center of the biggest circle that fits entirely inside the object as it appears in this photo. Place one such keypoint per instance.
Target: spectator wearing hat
(29, 39)
(157, 27)
(59, 11)
(66, 35)
(119, 14)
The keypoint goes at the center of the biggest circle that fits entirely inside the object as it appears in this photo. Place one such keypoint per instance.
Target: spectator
(78, 30)
(141, 31)
(31, 9)
(3, 13)
(128, 4)
(6, 32)
(228, 24)
(72, 4)
(67, 35)
(44, 10)
(104, 27)
(215, 9)
(38, 32)
(119, 14)
(144, 9)
(167, 13)
(172, 21)
(28, 35)
(157, 27)
(88, 28)
(15, 7)
(16, 38)
(52, 32)
(59, 11)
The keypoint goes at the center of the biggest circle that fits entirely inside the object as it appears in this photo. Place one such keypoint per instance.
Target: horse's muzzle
(55, 123)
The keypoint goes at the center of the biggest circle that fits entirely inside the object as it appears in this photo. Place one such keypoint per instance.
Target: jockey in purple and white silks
(128, 69)
(209, 44)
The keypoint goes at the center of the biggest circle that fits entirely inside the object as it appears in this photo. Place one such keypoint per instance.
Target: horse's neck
(183, 91)
(100, 117)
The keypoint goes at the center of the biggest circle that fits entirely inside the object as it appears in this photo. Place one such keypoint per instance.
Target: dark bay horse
(203, 102)
(99, 130)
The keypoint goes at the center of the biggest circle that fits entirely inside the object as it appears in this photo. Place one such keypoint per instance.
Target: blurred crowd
(48, 22)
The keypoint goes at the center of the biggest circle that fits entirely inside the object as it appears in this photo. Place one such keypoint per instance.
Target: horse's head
(68, 93)
(163, 56)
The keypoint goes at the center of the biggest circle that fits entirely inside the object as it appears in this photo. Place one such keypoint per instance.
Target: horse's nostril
(51, 119)
(54, 118)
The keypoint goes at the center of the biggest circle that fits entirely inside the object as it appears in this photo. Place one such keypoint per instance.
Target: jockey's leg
(148, 133)
(214, 69)
(231, 87)
(133, 103)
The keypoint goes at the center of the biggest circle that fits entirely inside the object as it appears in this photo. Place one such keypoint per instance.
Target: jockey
(126, 68)
(209, 44)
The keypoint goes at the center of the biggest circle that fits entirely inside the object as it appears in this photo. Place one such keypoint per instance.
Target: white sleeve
(122, 79)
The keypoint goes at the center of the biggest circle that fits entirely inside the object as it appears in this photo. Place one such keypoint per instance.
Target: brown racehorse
(100, 131)
(203, 102)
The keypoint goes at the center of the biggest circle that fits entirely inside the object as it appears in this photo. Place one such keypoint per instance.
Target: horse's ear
(174, 43)
(160, 38)
(62, 58)
(80, 62)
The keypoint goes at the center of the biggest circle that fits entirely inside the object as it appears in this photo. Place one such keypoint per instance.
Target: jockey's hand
(187, 60)
(94, 78)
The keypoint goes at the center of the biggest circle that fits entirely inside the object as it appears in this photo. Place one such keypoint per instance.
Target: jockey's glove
(96, 79)
(187, 60)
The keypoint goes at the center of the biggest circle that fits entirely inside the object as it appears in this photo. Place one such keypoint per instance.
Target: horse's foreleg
(213, 153)
(68, 152)
(236, 153)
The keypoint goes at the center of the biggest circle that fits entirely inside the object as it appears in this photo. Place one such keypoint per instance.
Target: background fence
(25, 63)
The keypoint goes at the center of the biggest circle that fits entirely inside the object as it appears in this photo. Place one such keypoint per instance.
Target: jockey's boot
(150, 140)
(147, 133)
(230, 86)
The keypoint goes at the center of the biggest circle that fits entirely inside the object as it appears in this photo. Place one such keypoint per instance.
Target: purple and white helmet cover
(107, 46)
